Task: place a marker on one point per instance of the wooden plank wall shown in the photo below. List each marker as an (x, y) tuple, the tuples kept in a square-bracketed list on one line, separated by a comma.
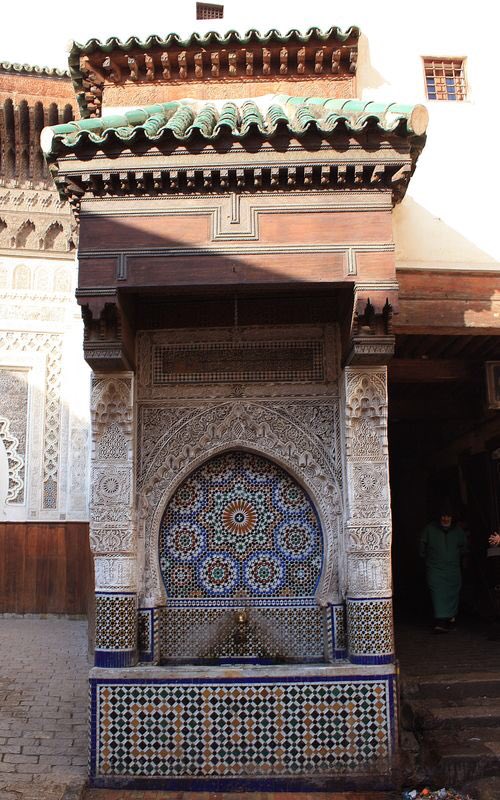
[(45, 568)]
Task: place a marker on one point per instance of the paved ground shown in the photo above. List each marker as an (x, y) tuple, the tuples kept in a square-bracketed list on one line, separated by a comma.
[(100, 794), (43, 703), (473, 647), (43, 707)]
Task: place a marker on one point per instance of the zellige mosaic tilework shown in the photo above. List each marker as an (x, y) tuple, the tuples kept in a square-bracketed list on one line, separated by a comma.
[(247, 727), (240, 532)]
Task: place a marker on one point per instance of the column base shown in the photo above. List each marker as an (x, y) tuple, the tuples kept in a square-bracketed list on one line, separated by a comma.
[(370, 633), (115, 659)]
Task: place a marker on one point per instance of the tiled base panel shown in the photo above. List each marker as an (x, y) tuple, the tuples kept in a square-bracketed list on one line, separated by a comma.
[(262, 727)]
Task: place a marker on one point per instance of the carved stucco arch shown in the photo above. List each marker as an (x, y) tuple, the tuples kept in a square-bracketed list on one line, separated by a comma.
[(252, 427)]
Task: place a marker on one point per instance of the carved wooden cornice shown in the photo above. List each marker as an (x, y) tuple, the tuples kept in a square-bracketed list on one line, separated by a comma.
[(233, 57), (312, 177)]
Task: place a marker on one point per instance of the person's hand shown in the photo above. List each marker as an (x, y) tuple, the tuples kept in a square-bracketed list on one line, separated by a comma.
[(494, 539)]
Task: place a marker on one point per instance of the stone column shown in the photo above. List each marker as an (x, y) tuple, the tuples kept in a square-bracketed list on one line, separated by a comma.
[(112, 525), (370, 636)]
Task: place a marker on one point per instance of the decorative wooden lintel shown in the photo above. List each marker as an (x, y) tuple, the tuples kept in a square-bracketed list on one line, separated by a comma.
[(207, 179), (199, 63), (107, 342), (371, 339)]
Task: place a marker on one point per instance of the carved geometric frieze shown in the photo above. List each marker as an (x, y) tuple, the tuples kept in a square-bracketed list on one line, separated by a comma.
[(111, 539), (283, 433), (260, 361), (230, 362), (35, 219), (368, 538), (368, 488), (369, 575), (115, 572)]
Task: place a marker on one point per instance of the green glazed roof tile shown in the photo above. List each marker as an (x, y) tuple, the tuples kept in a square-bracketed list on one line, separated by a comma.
[(184, 119), (211, 38), (33, 69)]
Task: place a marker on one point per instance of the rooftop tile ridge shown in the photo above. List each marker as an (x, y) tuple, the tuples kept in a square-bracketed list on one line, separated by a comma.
[(210, 38), (33, 69)]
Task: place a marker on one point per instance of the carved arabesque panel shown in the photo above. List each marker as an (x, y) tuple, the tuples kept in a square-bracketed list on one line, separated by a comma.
[(111, 404), (50, 346), (112, 530), (366, 415), (278, 431)]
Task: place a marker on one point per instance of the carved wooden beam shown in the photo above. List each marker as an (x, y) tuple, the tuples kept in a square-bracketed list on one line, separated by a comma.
[(165, 63), (215, 61), (249, 62), (150, 67), (266, 61), (198, 65), (182, 64), (134, 69), (283, 61), (113, 68)]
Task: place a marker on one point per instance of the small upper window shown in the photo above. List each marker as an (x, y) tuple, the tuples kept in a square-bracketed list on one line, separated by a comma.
[(444, 78), (209, 11)]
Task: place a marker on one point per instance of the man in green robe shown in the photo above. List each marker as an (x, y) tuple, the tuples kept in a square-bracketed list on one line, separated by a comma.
[(443, 544)]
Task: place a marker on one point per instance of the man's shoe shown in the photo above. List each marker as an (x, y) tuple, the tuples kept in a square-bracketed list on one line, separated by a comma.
[(440, 629)]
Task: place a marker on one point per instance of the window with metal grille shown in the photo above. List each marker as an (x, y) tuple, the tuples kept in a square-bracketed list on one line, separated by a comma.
[(209, 11), (445, 78)]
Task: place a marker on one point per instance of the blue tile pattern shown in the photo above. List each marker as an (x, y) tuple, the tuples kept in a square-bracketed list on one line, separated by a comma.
[(240, 526)]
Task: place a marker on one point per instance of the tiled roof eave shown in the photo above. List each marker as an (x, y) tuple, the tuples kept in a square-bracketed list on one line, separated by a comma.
[(210, 38), (33, 70), (182, 121), (94, 63)]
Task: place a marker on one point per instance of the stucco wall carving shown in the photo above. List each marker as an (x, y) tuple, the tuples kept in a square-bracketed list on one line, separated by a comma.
[(115, 573), (112, 530), (13, 428), (50, 345), (15, 462), (366, 415), (111, 409), (282, 432), (368, 514), (41, 335), (35, 220)]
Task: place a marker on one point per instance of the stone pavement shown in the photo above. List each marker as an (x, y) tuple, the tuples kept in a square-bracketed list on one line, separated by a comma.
[(43, 704), (112, 794), (43, 707)]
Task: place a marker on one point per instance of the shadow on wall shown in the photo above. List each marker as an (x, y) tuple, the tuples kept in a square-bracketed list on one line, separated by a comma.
[(367, 77), (422, 237)]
